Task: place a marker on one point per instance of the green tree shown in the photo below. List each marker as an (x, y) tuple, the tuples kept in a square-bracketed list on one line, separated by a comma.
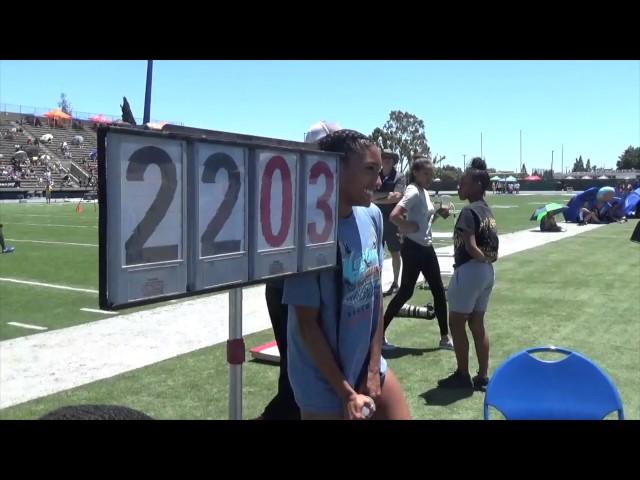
[(587, 167), (629, 159), (448, 172), (404, 134), (64, 104), (523, 170)]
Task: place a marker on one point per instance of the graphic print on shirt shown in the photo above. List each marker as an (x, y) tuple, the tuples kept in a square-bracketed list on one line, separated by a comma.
[(361, 278)]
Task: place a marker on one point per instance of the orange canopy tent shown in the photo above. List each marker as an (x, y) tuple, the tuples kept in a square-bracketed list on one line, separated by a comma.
[(57, 115)]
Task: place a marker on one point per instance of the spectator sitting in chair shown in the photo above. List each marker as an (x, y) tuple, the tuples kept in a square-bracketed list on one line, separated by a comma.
[(548, 224)]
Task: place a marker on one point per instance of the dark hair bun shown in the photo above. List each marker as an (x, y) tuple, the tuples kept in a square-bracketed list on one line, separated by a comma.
[(478, 164)]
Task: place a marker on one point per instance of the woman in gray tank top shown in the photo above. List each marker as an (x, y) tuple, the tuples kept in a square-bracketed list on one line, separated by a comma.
[(417, 250)]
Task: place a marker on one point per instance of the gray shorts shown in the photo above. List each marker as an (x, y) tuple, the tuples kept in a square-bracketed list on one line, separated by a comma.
[(470, 287), (390, 236)]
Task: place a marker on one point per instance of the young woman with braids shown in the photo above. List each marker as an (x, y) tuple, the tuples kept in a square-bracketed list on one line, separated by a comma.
[(336, 367), (475, 241)]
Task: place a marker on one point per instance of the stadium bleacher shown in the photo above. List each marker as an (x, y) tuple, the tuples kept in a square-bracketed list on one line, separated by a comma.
[(21, 128)]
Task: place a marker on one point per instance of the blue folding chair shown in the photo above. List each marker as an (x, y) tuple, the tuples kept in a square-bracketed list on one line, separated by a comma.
[(573, 388)]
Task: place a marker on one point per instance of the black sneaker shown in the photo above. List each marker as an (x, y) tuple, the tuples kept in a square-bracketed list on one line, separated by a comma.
[(456, 380), (392, 290), (480, 383)]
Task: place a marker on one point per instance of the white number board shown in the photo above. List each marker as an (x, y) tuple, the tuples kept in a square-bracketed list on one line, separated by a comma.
[(220, 253), (276, 212), (320, 191), (147, 211), (190, 213)]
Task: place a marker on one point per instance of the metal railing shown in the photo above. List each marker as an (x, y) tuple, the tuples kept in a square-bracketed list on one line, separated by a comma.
[(86, 116)]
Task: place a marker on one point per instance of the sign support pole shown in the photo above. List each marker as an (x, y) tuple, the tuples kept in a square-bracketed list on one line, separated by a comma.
[(235, 354)]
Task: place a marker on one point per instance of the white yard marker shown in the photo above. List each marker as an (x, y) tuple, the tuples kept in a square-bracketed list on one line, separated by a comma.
[(26, 325), (49, 285), (96, 310), (36, 215), (52, 225), (54, 243)]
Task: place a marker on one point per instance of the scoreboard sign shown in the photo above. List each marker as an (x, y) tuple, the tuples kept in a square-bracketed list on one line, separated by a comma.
[(219, 195), (187, 211)]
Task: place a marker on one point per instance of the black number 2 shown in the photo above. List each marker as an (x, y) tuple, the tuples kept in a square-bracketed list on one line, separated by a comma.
[(212, 165), (136, 252)]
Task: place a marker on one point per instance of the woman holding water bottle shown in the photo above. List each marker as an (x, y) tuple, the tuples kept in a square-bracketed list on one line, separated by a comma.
[(336, 367), (418, 254)]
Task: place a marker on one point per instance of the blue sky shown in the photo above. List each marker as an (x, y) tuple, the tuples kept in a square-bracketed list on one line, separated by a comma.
[(592, 107)]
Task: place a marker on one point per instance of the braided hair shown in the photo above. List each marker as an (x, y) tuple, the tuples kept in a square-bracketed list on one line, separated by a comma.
[(345, 141), (95, 412)]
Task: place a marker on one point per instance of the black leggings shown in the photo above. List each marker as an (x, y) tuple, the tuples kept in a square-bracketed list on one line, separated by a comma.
[(417, 258)]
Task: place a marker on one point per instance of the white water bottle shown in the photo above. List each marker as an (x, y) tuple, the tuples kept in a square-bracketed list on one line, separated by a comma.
[(369, 409)]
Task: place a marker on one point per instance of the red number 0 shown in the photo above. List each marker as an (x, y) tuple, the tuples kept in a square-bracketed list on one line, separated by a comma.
[(321, 168), (276, 163)]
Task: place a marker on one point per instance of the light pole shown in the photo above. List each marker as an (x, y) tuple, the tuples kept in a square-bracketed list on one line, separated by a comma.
[(464, 161), (520, 169), (147, 93)]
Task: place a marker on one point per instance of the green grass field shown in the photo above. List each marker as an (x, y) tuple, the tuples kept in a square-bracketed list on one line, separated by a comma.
[(77, 265), (560, 294)]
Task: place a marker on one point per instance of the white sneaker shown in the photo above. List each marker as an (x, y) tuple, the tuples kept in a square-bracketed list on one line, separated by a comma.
[(446, 343)]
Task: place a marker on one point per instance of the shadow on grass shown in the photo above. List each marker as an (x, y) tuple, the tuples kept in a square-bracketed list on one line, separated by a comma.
[(445, 396), (404, 351), (264, 362)]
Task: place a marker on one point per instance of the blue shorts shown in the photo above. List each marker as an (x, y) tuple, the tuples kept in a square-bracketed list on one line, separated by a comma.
[(470, 287)]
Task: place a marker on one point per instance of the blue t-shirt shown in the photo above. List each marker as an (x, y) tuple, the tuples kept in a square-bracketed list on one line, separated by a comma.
[(361, 250)]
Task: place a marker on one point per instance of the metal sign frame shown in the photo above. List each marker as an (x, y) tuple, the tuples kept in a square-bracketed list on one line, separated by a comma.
[(190, 138)]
